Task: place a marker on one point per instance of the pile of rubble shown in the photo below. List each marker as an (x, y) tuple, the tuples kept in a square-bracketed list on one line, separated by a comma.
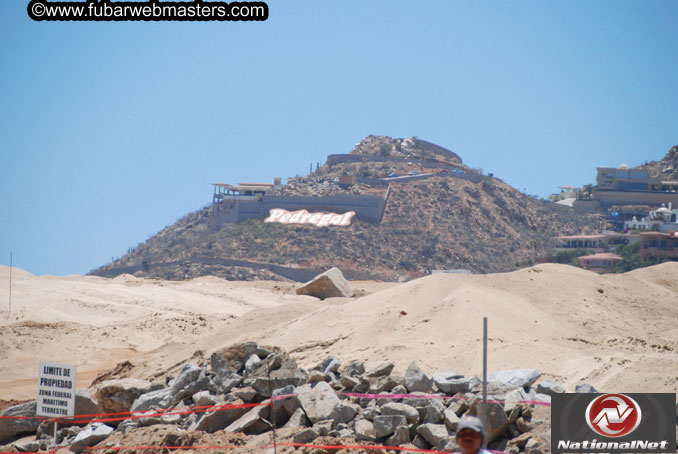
[(251, 389)]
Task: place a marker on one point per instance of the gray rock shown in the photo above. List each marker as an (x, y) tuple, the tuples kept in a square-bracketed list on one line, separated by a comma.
[(91, 435), (399, 437), (514, 398), (364, 430), (550, 387), (158, 399), (320, 402), (458, 404), (329, 284), (517, 377), (410, 413), (416, 380), (305, 436), (497, 421), (226, 380), (283, 409), (434, 434), (452, 383), (382, 384), (252, 363), (585, 388), (330, 364), (247, 394), (298, 419), (348, 382), (278, 379), (253, 422), (542, 398), (204, 399), (315, 376), (370, 412), (354, 369), (498, 388), (218, 419), (84, 404), (433, 413), (451, 419), (381, 370), (27, 445), (324, 427), (10, 428), (385, 425), (117, 396)]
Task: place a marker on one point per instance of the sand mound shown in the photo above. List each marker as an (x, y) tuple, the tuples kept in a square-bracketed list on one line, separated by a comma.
[(617, 332)]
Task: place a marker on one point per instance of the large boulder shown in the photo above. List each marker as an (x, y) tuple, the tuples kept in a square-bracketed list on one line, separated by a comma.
[(219, 418), (416, 380), (329, 284), (91, 435), (517, 377), (117, 396), (320, 402), (24, 422)]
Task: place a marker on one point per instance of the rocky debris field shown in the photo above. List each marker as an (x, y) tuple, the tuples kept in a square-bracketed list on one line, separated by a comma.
[(247, 392)]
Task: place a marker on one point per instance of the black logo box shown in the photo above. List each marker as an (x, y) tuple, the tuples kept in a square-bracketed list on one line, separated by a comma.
[(657, 425)]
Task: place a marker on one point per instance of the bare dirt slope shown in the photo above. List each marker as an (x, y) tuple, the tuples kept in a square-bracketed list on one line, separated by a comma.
[(617, 332)]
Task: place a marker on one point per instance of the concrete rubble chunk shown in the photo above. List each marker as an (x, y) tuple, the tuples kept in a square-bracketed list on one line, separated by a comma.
[(381, 370), (354, 369), (434, 434), (298, 419), (91, 435), (364, 430), (253, 422), (10, 428), (452, 383), (276, 379), (416, 380), (400, 437), (320, 402), (204, 399), (329, 284), (585, 388), (451, 419), (252, 363), (517, 377), (305, 435), (393, 408), (385, 425), (384, 383), (550, 387), (217, 419), (348, 382), (497, 421), (117, 396), (515, 398)]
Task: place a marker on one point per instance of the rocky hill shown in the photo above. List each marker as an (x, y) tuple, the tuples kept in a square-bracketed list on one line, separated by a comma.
[(666, 168), (450, 218)]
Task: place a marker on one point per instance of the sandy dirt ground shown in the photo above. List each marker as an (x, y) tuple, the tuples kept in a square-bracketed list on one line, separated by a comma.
[(617, 332)]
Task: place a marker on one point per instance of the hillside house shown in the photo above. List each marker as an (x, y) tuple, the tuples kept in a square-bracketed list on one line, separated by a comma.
[(601, 261), (599, 242), (658, 245), (660, 220)]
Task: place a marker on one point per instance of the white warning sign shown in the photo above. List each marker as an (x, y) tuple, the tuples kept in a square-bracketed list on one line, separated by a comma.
[(56, 390)]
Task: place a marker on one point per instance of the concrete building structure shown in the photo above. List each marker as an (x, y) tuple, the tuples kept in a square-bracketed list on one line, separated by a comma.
[(664, 219)]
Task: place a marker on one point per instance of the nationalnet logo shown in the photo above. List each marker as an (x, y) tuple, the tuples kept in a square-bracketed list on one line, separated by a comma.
[(613, 423), (613, 415)]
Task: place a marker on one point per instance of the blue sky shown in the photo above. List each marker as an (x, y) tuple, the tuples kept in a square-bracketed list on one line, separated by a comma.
[(110, 131)]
